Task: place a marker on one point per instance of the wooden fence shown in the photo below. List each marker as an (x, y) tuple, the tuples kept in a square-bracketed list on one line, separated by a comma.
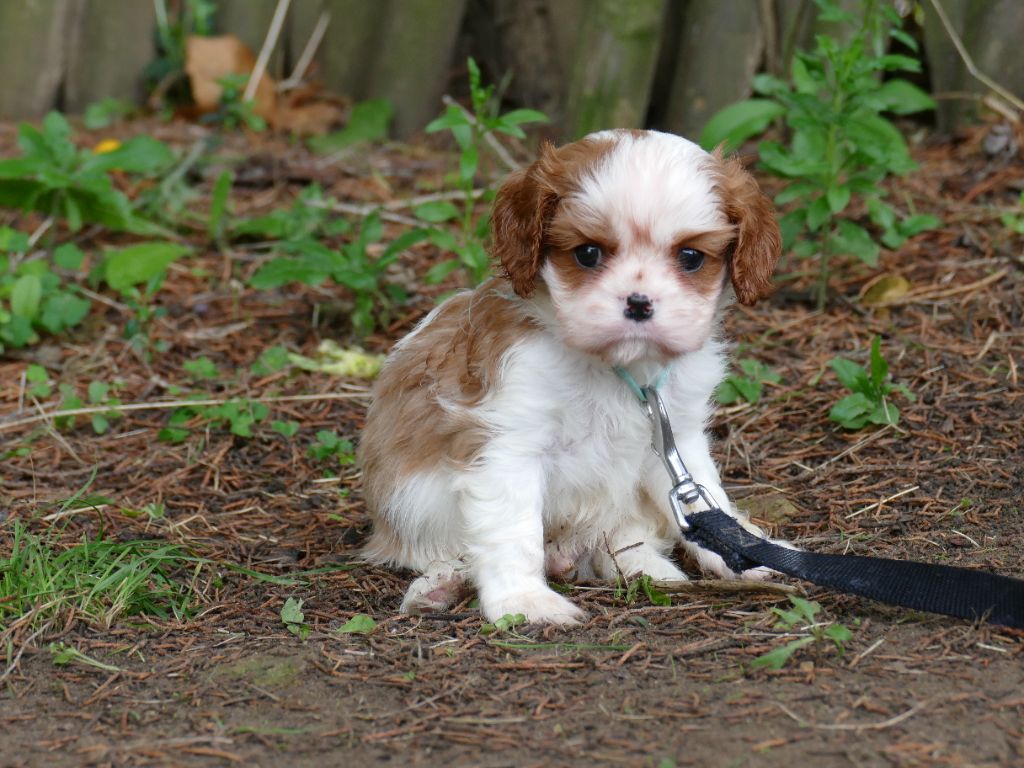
[(588, 63)]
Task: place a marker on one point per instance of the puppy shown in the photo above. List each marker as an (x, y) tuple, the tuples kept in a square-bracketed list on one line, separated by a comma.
[(502, 444)]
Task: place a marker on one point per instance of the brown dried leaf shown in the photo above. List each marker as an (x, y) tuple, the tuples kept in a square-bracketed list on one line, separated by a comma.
[(208, 59)]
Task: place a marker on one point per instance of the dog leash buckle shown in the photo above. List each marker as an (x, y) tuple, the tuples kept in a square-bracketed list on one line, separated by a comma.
[(685, 491)]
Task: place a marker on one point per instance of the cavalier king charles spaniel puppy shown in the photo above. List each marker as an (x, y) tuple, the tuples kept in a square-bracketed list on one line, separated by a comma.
[(502, 445)]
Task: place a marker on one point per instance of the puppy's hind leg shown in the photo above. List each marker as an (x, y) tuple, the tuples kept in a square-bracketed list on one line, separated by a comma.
[(441, 586)]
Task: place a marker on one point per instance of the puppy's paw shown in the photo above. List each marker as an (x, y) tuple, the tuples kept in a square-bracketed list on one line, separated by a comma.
[(540, 605), (433, 593)]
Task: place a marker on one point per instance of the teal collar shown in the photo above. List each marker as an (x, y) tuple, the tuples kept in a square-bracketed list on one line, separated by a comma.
[(637, 390)]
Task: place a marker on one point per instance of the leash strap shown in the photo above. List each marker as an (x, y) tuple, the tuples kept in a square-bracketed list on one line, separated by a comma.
[(960, 592)]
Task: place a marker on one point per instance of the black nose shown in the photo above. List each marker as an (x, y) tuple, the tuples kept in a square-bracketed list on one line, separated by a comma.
[(639, 307)]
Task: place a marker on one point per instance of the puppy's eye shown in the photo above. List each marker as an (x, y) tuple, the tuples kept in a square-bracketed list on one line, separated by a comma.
[(690, 259), (588, 256)]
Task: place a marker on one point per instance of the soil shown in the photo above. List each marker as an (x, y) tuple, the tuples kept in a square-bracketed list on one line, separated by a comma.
[(639, 684)]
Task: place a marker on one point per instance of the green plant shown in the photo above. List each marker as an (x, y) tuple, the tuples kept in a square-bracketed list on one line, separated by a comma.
[(105, 112), (633, 588), (749, 386), (330, 446), (165, 75), (98, 393), (871, 388), (470, 132), (96, 579), (1014, 221), (359, 624), (506, 623), (237, 414), (368, 121), (840, 146), (56, 178), (34, 294), (137, 272), (359, 265), (233, 110), (804, 616), (293, 618)]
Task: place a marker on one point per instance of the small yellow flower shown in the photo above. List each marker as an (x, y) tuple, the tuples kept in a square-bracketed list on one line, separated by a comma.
[(107, 145)]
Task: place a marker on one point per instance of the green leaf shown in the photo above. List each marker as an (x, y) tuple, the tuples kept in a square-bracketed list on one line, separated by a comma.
[(219, 204), (452, 117), (901, 97), (884, 413), (522, 116), (852, 376), (25, 296), (278, 272), (879, 367), (173, 435), (368, 121), (285, 428), (291, 613), (140, 154), (439, 272), (838, 198), (776, 659), (98, 392), (201, 368), (818, 213), (139, 263), (853, 239), (436, 211), (360, 624), (838, 634), (68, 256), (726, 393), (852, 411), (738, 122)]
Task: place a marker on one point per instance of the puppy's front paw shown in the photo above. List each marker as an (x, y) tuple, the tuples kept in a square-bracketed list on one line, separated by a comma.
[(713, 564), (540, 605)]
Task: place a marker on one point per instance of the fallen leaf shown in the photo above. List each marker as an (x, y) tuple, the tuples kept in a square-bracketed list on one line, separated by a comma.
[(209, 59), (885, 289)]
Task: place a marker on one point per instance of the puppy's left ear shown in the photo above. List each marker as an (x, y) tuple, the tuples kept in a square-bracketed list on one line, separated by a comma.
[(758, 242), (522, 208)]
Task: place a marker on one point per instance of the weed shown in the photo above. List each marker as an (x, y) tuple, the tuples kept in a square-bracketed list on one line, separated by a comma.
[(137, 272), (202, 368), (360, 265), (97, 579), (330, 446), (748, 386), (871, 388), (470, 132), (359, 624), (271, 360), (34, 295), (1014, 221), (293, 618), (63, 655), (643, 584), (165, 75), (803, 615), (367, 122), (232, 110), (58, 179), (103, 113), (239, 415), (840, 146), (506, 623)]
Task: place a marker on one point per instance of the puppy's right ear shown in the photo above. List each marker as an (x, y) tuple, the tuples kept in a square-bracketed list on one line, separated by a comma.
[(522, 209)]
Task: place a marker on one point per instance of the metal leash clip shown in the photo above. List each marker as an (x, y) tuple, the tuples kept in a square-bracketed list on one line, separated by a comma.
[(685, 492)]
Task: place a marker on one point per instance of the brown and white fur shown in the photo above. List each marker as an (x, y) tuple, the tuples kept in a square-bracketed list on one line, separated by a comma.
[(501, 446)]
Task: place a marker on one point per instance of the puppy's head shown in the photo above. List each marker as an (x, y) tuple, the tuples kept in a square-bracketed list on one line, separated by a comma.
[(635, 234)]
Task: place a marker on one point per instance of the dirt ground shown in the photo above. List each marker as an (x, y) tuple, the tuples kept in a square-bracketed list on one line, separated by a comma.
[(637, 685)]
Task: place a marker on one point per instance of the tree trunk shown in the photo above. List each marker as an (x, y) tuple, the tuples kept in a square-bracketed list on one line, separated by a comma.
[(709, 77), (615, 59), (413, 57), (111, 43), (32, 55)]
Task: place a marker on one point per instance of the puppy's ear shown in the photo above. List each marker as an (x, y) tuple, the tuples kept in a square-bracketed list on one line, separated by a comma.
[(522, 209), (758, 241)]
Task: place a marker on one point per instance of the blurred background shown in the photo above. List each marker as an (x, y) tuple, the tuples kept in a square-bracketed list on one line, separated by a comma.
[(587, 64)]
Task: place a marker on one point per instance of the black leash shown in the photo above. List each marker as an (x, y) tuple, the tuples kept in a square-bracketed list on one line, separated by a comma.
[(960, 592)]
